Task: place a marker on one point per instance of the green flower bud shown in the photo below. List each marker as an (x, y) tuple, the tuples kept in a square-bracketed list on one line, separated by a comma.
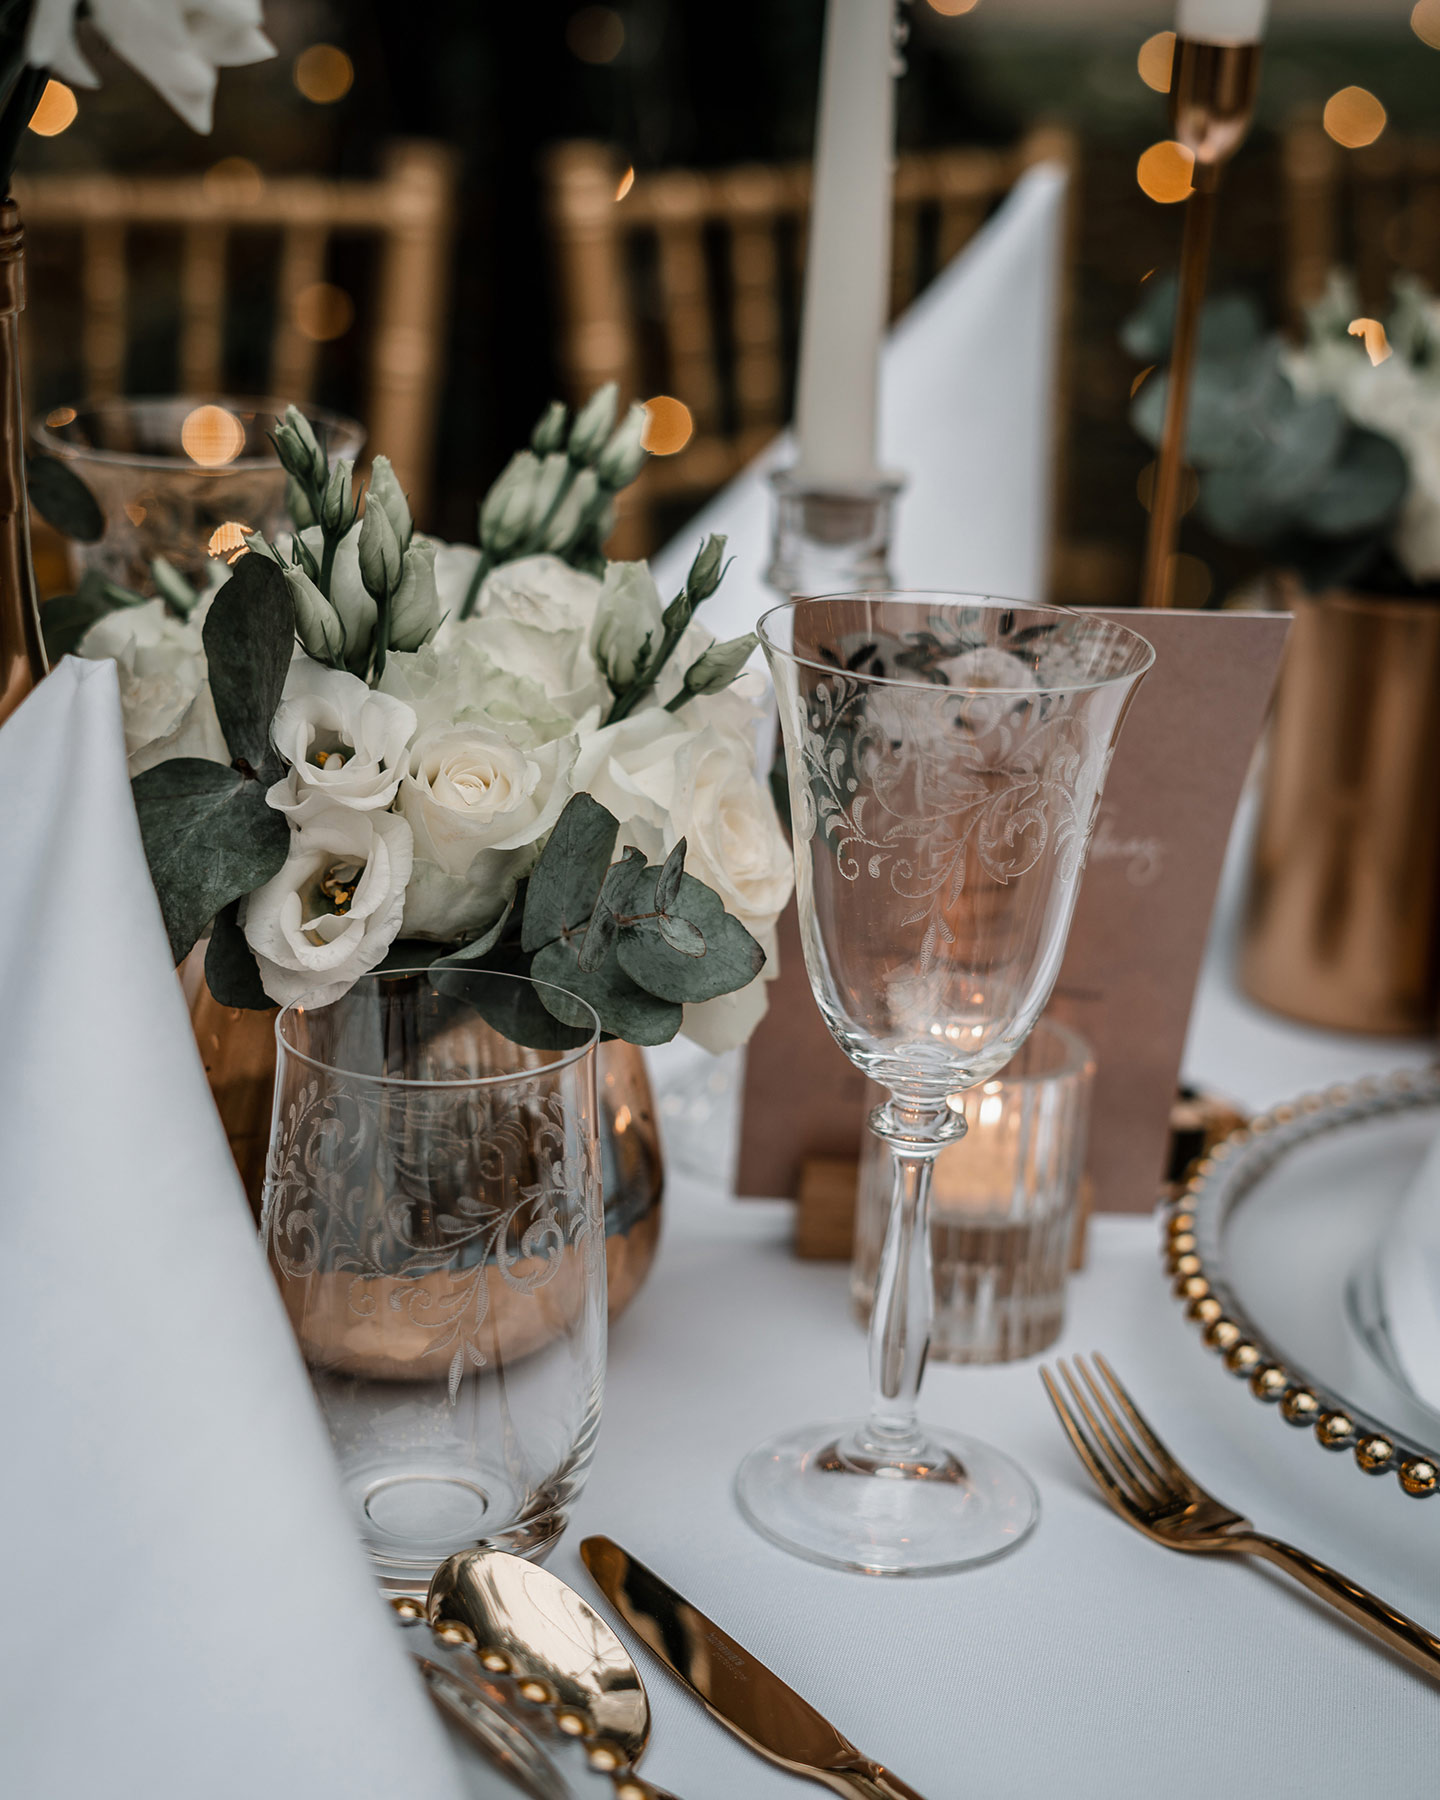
[(627, 623), (713, 672), (174, 589), (380, 553), (317, 624), (415, 610), (297, 448), (337, 505), (505, 511), (385, 492), (572, 514), (550, 484), (303, 557), (624, 456), (549, 434), (593, 424), (297, 504)]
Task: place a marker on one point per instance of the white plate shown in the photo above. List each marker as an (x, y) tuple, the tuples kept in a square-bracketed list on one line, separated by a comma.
[(1271, 1248)]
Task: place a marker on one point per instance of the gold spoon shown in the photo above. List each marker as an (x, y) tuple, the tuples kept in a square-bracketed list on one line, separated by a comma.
[(524, 1622)]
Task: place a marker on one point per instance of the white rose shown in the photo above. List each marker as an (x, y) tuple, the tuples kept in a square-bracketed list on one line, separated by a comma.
[(540, 591), (726, 1022), (346, 744), (638, 768), (164, 692), (735, 844), (627, 622), (455, 566), (177, 45), (478, 806), (457, 684), (334, 909)]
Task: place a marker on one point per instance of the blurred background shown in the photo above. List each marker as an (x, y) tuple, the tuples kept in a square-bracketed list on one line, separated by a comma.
[(522, 176)]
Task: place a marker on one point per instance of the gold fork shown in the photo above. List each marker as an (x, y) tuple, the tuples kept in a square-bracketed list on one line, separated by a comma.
[(1149, 1489)]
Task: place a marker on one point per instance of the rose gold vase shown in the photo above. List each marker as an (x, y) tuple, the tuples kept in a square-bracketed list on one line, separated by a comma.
[(1343, 923), (238, 1050)]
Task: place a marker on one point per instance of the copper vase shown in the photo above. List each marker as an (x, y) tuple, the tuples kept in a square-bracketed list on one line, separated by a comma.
[(22, 649), (1343, 922), (238, 1050)]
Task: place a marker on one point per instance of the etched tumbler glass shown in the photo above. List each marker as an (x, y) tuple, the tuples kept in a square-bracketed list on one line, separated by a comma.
[(433, 1217), (946, 755)]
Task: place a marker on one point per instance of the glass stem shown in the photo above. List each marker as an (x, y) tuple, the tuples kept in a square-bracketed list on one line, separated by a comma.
[(904, 1288)]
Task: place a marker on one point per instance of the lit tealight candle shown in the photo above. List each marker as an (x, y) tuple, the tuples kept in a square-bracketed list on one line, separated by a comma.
[(1221, 21)]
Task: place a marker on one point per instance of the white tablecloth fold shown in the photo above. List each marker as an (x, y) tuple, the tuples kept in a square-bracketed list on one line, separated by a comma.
[(187, 1609)]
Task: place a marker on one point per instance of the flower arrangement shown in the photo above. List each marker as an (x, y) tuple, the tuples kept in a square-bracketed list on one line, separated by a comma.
[(1325, 454), (363, 748)]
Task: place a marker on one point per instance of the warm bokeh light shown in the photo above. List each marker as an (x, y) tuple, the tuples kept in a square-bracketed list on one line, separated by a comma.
[(233, 181), (57, 109), (136, 513), (323, 312), (1377, 345), (1156, 55), (229, 541), (1164, 172), (62, 415), (212, 437), (668, 425), (1189, 488), (596, 34), (1354, 117), (324, 74), (1425, 22), (1139, 380), (627, 181), (952, 9)]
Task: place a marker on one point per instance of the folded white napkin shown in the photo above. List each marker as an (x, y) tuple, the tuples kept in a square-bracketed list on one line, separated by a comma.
[(187, 1610), (966, 394), (1408, 1266)]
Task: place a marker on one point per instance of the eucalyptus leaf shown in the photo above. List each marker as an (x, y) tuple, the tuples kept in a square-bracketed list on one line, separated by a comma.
[(66, 618), (62, 499), (231, 972), (600, 935), (731, 958), (209, 837), (1362, 491), (478, 948), (249, 639), (681, 935), (626, 1010), (508, 1006), (667, 883), (569, 874)]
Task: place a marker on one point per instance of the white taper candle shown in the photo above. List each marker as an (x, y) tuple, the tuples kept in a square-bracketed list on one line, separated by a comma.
[(1222, 21), (847, 270)]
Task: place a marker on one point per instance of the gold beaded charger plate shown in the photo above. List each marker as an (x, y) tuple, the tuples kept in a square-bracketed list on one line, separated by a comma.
[(1270, 1247)]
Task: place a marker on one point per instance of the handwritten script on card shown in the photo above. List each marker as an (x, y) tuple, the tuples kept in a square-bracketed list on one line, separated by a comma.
[(1136, 943)]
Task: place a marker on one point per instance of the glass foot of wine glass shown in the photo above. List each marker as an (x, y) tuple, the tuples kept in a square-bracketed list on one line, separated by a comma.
[(829, 1493)]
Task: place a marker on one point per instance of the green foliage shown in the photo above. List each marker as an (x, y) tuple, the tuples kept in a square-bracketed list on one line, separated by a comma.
[(66, 618), (209, 834), (638, 943), (1281, 470), (230, 971), (62, 499)]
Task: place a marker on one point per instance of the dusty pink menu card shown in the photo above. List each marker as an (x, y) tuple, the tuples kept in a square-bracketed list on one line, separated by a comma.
[(1136, 944)]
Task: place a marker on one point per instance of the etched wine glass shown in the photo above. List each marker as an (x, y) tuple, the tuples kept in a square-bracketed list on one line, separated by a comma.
[(946, 755)]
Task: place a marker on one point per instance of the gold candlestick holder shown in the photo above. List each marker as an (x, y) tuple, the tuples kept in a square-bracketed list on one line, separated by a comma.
[(1212, 101)]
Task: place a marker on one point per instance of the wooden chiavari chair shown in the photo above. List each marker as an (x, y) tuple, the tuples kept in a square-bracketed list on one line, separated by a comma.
[(687, 282), (408, 212)]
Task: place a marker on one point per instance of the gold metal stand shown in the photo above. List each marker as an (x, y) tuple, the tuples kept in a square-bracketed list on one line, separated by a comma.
[(1212, 100), (22, 649)]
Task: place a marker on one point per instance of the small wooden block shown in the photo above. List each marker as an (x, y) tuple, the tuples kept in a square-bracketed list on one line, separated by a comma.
[(825, 1215)]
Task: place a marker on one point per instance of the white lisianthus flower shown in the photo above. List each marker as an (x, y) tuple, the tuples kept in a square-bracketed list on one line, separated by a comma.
[(164, 692), (335, 907), (177, 45), (346, 744), (478, 806), (627, 622), (541, 592)]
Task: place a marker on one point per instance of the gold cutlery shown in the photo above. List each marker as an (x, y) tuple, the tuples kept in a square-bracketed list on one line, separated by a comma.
[(1150, 1490), (525, 1624), (745, 1696)]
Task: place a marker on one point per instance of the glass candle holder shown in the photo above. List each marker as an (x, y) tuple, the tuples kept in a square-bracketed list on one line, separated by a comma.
[(168, 473), (1002, 1220)]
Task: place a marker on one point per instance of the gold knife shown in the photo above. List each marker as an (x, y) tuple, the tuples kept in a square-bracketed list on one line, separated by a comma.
[(745, 1696)]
